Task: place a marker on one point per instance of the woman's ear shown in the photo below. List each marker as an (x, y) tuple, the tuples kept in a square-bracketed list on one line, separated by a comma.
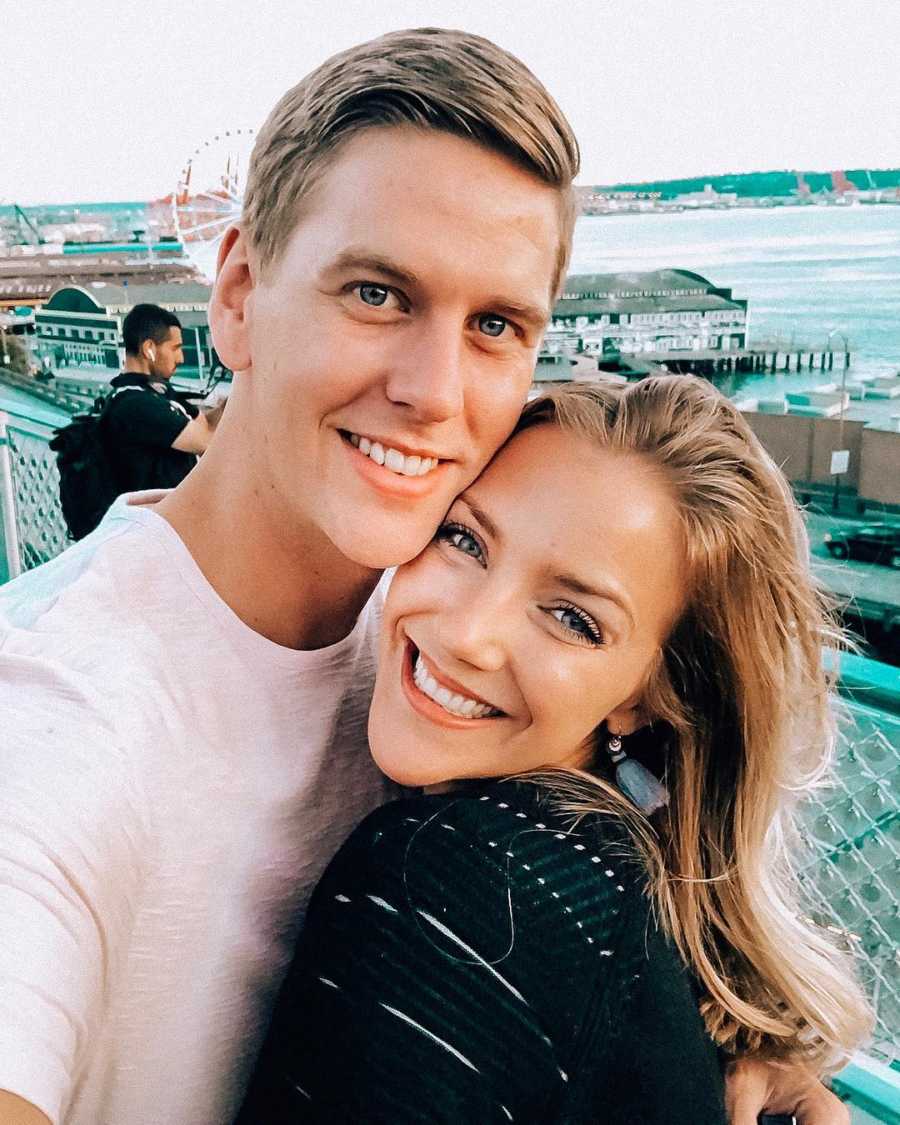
[(229, 302), (627, 717)]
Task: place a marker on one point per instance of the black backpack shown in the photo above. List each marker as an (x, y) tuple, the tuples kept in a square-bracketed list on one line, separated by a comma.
[(88, 481)]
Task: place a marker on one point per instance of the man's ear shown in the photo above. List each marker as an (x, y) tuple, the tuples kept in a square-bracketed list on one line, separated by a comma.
[(229, 303)]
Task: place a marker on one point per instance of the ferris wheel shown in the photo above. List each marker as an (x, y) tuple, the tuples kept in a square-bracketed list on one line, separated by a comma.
[(209, 196)]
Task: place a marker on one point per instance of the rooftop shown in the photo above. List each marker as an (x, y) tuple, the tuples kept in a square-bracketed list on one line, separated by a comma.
[(643, 283), (701, 302), (648, 291), (102, 296)]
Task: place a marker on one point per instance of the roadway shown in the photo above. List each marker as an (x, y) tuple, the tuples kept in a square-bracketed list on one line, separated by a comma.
[(863, 582), (868, 594)]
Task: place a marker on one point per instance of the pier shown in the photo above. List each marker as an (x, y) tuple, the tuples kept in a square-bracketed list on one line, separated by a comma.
[(762, 358)]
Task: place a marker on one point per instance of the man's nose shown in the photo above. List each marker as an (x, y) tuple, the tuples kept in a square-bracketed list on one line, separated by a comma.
[(428, 374)]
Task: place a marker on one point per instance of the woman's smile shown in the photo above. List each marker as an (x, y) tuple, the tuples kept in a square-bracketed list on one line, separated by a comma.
[(440, 699)]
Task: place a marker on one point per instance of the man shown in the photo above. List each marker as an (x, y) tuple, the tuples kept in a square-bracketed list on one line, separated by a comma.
[(185, 692), (153, 437)]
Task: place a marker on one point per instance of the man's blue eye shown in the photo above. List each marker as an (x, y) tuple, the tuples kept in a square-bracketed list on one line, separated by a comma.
[(492, 325), (373, 294)]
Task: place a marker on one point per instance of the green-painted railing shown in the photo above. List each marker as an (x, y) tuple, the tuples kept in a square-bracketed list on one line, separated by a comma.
[(871, 1089)]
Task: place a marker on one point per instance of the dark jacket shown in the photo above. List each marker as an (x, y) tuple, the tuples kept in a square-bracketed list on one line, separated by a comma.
[(467, 959), (139, 428)]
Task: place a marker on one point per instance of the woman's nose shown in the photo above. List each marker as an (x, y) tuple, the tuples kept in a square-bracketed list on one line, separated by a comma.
[(478, 631)]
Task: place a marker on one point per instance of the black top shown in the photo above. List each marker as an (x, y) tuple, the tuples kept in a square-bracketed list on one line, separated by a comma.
[(139, 427), (466, 959)]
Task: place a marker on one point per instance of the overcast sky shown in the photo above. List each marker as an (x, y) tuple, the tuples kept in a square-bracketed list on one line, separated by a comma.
[(105, 100)]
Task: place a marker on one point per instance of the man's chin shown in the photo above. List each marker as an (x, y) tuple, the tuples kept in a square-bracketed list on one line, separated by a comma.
[(386, 548)]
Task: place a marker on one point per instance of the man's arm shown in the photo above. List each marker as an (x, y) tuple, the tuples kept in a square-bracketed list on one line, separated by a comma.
[(145, 418), (753, 1087), (197, 434), (72, 850), (15, 1111)]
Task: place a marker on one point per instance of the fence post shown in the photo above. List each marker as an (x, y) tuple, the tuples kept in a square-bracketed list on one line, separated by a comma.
[(8, 503)]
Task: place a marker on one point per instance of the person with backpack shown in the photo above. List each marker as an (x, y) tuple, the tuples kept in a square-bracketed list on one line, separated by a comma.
[(154, 437), (131, 442)]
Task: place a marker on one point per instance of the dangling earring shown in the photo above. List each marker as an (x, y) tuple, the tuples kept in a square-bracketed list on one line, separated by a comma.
[(636, 781)]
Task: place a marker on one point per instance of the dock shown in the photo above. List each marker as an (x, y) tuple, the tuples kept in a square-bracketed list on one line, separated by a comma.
[(761, 358)]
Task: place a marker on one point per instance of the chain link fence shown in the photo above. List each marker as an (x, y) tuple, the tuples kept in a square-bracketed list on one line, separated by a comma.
[(853, 871), (852, 829)]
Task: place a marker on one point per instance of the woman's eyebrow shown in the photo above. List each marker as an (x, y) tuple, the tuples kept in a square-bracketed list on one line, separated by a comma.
[(480, 515), (609, 593)]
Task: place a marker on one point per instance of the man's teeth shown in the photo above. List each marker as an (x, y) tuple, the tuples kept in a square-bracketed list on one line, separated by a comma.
[(393, 459), (454, 703)]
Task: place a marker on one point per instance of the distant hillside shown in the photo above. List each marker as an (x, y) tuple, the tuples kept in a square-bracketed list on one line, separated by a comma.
[(754, 184)]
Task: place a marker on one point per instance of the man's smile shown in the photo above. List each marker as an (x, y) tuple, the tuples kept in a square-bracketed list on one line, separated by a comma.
[(404, 463)]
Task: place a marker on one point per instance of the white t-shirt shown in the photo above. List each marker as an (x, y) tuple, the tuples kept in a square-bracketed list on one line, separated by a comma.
[(172, 785)]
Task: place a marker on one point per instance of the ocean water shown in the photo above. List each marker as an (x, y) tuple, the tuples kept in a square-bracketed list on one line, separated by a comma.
[(804, 271)]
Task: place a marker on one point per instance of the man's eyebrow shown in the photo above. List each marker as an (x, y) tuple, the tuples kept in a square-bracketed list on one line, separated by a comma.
[(608, 593), (366, 263), (536, 316)]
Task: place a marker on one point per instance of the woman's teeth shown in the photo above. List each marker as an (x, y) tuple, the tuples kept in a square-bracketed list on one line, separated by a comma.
[(393, 459), (456, 704)]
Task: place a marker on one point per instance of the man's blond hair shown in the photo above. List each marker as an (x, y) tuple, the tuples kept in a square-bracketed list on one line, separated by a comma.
[(428, 78)]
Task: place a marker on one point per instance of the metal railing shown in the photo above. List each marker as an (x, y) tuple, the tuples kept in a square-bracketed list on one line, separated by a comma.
[(34, 530), (853, 829), (66, 396), (853, 871)]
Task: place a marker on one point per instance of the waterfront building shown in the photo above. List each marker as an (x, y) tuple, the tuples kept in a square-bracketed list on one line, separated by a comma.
[(560, 340), (660, 311), (81, 325), (31, 280), (708, 197)]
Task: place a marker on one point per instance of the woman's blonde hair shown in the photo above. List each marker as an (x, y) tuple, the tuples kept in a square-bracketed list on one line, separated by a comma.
[(741, 699), (429, 78)]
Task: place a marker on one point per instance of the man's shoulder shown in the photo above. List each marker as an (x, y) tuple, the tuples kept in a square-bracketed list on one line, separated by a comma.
[(117, 543), (129, 379), (134, 399), (128, 388), (94, 612)]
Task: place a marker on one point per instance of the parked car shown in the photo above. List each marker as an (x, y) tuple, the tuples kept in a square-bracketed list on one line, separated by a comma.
[(876, 542)]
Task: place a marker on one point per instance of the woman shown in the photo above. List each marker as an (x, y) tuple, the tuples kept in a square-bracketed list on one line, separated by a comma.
[(623, 596)]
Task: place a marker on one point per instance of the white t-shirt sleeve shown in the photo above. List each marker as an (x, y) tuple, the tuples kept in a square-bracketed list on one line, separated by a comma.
[(70, 838)]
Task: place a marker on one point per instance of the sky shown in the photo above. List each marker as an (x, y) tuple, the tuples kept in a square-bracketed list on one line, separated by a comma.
[(106, 101)]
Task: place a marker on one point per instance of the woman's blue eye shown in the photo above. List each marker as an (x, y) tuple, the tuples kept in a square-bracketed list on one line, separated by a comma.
[(578, 622), (461, 539), (492, 325), (373, 294)]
